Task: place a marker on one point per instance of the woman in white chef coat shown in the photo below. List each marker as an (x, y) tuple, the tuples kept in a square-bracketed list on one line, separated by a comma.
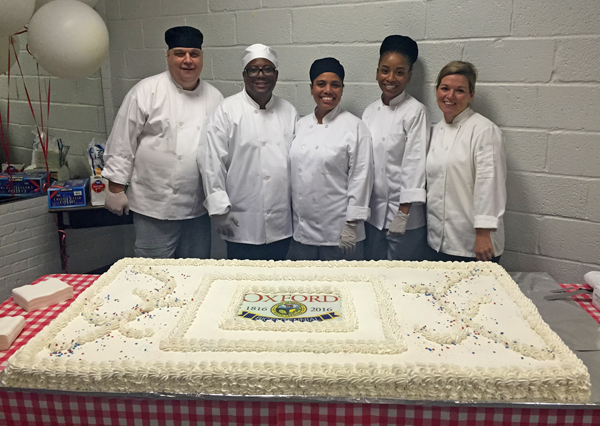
[(400, 128), (331, 173), (466, 174)]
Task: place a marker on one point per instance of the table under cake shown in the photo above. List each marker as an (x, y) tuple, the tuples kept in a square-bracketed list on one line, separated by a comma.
[(41, 407)]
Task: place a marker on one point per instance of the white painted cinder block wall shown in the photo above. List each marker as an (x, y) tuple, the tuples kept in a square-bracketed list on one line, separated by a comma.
[(539, 81), (29, 246)]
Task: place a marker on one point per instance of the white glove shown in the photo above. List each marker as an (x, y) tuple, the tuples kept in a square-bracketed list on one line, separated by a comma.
[(398, 225), (225, 224), (117, 203), (348, 238)]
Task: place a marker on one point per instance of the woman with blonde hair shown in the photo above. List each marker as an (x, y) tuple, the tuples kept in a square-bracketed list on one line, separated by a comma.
[(466, 174)]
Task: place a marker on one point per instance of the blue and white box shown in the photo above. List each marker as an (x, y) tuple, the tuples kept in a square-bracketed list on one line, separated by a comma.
[(70, 193)]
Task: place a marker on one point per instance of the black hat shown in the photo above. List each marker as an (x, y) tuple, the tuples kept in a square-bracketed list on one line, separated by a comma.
[(189, 37), (403, 45), (320, 66)]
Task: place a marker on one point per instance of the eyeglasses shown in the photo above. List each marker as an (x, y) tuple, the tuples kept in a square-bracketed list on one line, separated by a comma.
[(267, 71)]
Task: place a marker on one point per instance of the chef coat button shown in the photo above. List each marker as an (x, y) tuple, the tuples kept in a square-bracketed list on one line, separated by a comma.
[(299, 198), (179, 157), (299, 170), (303, 146), (382, 169), (264, 143), (266, 178), (197, 127), (383, 138), (174, 192), (277, 143), (317, 221), (327, 125), (311, 126), (181, 124), (269, 212), (271, 112), (301, 220), (180, 91), (317, 147), (314, 198), (378, 108)]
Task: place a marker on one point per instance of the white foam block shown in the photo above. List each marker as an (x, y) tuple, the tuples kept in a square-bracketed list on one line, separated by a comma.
[(42, 295), (592, 278), (10, 328)]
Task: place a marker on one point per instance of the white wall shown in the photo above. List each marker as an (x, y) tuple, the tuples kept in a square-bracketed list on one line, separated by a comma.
[(76, 111), (29, 245), (539, 81)]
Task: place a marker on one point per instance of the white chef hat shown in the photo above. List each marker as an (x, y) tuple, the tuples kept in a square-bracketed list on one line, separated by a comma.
[(259, 51)]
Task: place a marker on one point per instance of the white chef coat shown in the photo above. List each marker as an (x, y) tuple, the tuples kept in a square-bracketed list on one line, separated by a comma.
[(400, 134), (153, 146), (244, 164), (331, 165), (466, 184)]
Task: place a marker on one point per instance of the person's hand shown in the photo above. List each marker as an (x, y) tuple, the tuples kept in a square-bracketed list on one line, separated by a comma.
[(398, 225), (348, 238), (117, 202), (484, 249), (225, 224)]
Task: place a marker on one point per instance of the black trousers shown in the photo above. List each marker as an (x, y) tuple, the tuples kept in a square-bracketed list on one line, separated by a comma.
[(272, 251), (443, 257)]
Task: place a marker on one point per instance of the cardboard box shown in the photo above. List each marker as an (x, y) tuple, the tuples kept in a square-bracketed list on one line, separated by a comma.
[(98, 188), (70, 193), (24, 184)]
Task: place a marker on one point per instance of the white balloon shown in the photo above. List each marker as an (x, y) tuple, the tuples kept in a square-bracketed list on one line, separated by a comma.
[(14, 14), (5, 48), (68, 39), (40, 3)]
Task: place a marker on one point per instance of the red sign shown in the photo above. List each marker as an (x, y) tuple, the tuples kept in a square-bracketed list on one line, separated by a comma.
[(98, 186)]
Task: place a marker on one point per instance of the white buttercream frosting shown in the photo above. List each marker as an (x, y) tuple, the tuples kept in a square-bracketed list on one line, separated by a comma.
[(443, 331)]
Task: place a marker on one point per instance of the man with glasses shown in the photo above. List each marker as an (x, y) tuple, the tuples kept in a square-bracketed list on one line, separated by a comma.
[(152, 147), (243, 158)]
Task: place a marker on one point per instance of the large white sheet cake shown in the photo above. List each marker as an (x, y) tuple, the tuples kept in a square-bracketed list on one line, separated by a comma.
[(406, 330)]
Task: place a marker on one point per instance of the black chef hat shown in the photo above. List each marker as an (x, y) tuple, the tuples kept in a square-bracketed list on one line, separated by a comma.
[(403, 45), (189, 37), (320, 66)]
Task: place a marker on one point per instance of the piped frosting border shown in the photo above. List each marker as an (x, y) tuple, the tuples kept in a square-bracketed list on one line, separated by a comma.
[(568, 382)]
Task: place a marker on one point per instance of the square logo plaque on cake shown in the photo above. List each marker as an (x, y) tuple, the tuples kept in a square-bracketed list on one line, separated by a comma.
[(402, 330), (258, 310)]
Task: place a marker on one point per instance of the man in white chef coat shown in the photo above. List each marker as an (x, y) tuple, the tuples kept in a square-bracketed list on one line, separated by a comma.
[(152, 147), (243, 158)]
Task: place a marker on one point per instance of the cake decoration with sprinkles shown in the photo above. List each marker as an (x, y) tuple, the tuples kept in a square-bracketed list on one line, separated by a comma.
[(410, 330)]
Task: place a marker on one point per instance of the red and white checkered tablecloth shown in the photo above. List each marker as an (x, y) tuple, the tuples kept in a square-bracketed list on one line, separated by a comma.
[(36, 320), (584, 300), (29, 408)]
